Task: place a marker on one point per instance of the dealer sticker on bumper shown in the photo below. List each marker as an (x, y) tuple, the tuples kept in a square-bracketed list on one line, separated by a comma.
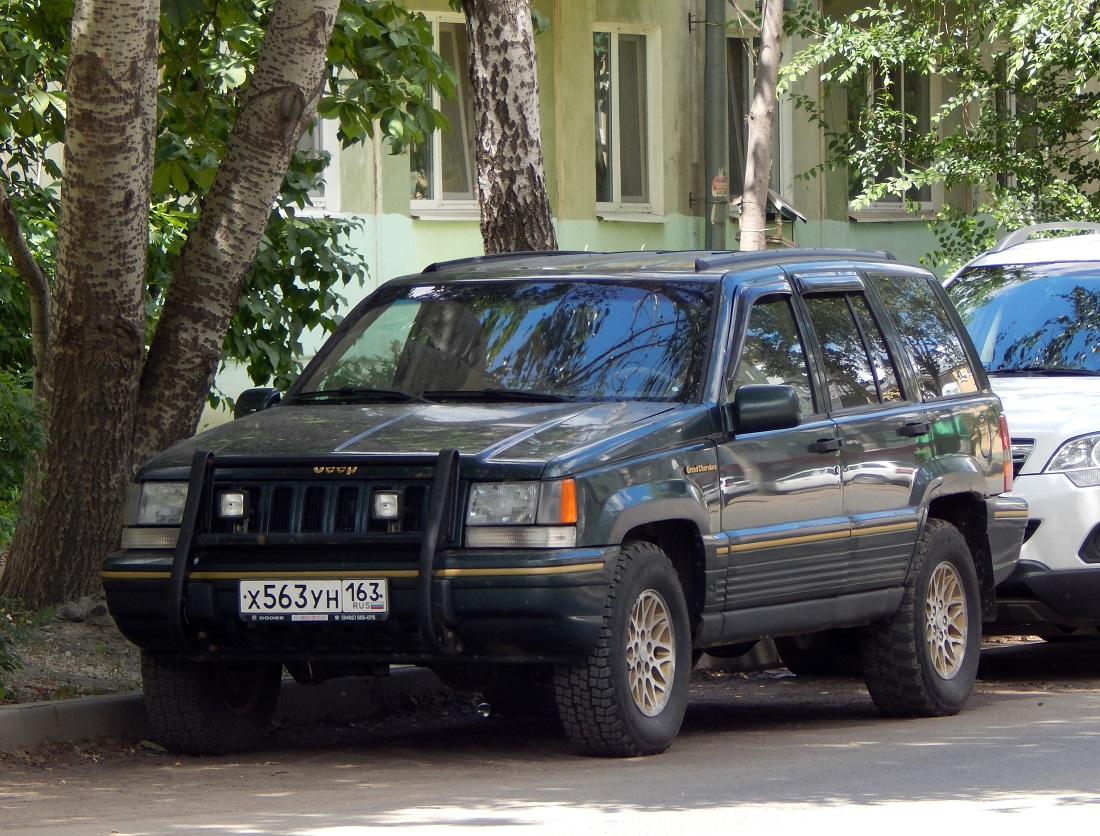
[(355, 599)]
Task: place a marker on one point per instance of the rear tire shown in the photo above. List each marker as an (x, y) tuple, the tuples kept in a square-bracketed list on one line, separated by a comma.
[(922, 661), (629, 696), (208, 708)]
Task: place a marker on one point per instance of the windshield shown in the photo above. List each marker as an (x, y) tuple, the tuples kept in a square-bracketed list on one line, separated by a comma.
[(1033, 318), (568, 340)]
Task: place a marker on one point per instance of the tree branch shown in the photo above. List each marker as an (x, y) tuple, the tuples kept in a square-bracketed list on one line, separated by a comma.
[(38, 286)]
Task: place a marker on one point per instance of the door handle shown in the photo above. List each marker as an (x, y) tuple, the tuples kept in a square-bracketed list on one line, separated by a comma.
[(914, 429), (825, 445)]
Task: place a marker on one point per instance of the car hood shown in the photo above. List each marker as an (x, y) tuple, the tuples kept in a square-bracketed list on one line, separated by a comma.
[(1048, 410), (487, 432)]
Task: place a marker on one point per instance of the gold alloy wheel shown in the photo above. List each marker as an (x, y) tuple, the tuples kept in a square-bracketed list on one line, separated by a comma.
[(650, 653), (947, 621)]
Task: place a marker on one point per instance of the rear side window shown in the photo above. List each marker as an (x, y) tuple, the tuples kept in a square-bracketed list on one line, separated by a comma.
[(858, 368), (941, 363)]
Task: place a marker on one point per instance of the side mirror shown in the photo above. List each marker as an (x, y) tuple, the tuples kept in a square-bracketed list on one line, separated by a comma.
[(255, 400), (759, 407)]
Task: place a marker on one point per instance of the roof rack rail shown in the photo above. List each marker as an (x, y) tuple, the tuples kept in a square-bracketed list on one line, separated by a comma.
[(1027, 232), (739, 257), (490, 258)]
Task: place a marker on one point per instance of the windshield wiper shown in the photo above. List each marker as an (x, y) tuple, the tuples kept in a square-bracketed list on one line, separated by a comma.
[(350, 393), (497, 395), (1042, 371)]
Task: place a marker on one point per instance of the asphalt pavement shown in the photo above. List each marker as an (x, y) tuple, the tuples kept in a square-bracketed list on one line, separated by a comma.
[(27, 725)]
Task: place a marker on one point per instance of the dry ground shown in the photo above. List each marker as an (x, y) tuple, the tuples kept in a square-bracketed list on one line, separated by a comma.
[(76, 651)]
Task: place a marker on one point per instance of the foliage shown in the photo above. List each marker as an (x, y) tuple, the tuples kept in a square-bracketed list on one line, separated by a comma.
[(20, 434), (15, 622), (381, 70), (1016, 120), (12, 623)]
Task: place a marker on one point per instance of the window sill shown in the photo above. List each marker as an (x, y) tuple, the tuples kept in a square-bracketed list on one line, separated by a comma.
[(891, 214), (630, 217), (450, 213)]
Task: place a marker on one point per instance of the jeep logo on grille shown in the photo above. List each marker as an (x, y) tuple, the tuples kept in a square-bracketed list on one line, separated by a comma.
[(343, 471)]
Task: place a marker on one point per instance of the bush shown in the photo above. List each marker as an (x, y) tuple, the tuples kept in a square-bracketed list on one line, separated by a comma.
[(11, 622), (20, 434)]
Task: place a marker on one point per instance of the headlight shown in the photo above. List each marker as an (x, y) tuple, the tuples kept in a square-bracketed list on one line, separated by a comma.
[(537, 514), (504, 503), (154, 511), (157, 503), (1079, 460)]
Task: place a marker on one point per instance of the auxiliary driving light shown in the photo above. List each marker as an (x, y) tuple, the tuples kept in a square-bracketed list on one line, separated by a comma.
[(385, 506), (233, 505)]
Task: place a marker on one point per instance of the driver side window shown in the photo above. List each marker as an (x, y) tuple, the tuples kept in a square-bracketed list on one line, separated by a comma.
[(774, 352)]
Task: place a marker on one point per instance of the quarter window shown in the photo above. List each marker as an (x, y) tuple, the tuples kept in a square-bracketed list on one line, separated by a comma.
[(623, 118), (942, 365)]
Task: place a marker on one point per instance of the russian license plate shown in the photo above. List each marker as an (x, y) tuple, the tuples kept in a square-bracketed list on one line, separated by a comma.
[(354, 599)]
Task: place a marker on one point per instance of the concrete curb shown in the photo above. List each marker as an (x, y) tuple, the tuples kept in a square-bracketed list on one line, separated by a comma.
[(27, 725)]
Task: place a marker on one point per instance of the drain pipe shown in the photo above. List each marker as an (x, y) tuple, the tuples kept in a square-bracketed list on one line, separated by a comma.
[(715, 135)]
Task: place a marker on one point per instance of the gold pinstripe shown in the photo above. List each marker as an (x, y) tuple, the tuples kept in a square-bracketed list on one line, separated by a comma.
[(887, 528), (504, 571)]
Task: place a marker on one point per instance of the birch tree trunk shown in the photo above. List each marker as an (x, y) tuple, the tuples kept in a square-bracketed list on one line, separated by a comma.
[(116, 406), (511, 182), (279, 104), (758, 159), (72, 500)]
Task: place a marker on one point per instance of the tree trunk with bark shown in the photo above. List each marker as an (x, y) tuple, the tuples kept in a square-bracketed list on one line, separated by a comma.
[(71, 500), (116, 405), (277, 107), (758, 158), (515, 209)]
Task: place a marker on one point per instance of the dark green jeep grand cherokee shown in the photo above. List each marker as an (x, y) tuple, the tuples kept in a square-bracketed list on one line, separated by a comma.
[(582, 470)]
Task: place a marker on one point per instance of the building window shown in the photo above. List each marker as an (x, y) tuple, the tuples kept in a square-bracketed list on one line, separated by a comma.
[(740, 77), (624, 73), (318, 143), (442, 167), (908, 94)]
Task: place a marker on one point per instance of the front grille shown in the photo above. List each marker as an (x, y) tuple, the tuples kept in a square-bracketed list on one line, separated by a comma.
[(1021, 449), (307, 507)]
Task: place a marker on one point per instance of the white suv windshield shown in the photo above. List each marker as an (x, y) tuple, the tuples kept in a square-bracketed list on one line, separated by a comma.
[(1033, 318)]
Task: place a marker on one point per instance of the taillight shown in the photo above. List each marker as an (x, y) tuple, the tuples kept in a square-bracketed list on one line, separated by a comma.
[(1006, 452)]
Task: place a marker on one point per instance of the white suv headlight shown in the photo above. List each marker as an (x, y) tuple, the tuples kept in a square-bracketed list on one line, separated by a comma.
[(1079, 460), (522, 515)]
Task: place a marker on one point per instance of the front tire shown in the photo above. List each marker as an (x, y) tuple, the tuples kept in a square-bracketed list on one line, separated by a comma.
[(630, 695), (207, 708), (923, 661)]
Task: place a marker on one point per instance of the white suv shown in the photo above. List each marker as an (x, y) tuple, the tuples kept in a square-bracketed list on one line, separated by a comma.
[(1032, 306)]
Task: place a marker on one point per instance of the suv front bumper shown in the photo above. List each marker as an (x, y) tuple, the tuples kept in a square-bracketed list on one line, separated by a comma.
[(497, 606), (1053, 584)]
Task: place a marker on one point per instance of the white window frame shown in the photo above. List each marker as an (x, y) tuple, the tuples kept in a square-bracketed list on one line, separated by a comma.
[(782, 174), (894, 209), (437, 207), (652, 209), (325, 200)]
